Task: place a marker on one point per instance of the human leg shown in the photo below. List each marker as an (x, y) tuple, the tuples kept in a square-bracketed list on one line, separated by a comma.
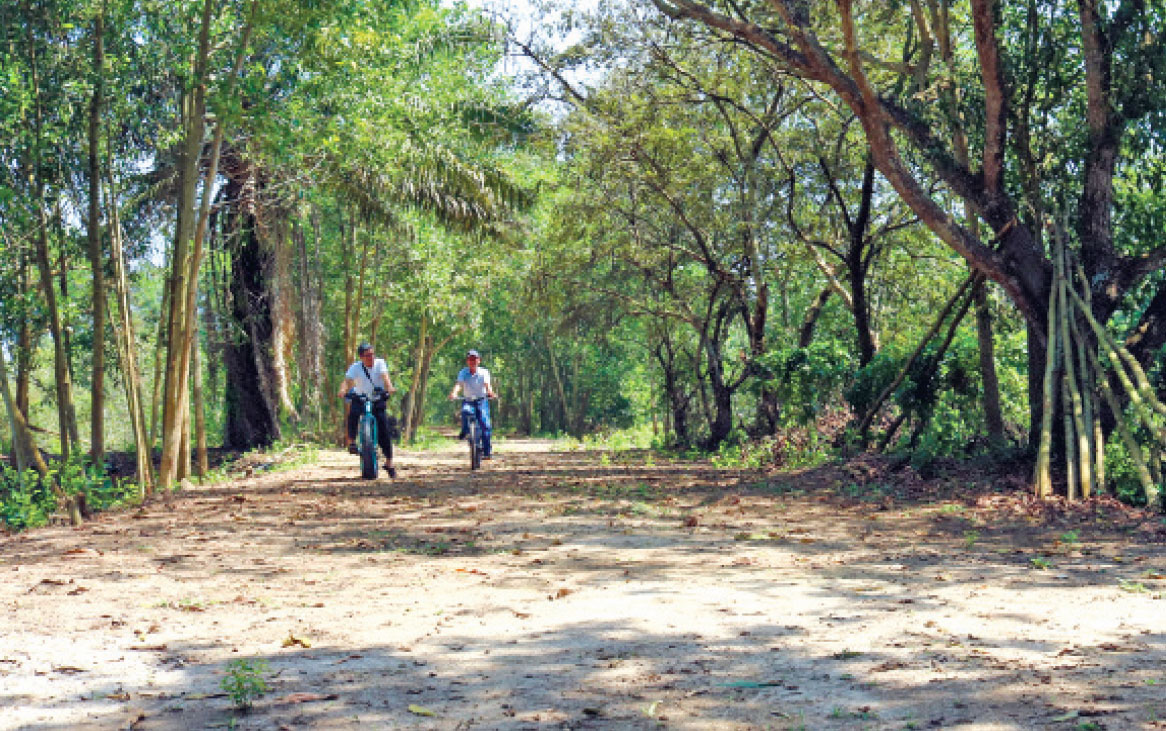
[(385, 437), (486, 427), (355, 409), (384, 432)]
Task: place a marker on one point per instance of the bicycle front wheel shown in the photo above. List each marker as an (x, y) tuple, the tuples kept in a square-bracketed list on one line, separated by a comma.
[(368, 447), (475, 447)]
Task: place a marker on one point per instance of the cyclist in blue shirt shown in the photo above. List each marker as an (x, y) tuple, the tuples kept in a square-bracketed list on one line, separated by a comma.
[(474, 382)]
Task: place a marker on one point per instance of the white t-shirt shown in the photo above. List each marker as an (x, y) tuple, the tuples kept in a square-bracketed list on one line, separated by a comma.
[(356, 372), (473, 386)]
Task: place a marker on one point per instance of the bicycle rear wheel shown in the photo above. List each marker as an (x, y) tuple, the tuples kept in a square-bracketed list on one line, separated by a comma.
[(368, 447), (475, 447)]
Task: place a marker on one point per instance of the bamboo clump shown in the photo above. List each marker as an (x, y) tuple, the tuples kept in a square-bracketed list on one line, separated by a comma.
[(1075, 369)]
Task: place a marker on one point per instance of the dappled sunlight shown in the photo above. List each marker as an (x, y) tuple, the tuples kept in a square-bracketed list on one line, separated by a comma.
[(541, 591)]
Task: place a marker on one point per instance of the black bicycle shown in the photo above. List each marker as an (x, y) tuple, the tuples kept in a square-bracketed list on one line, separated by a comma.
[(469, 410), (366, 438)]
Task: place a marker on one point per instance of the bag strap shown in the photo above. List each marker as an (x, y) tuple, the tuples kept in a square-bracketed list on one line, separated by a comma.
[(367, 375)]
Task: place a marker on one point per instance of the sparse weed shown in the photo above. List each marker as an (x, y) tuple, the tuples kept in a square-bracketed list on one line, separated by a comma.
[(244, 682), (1134, 587)]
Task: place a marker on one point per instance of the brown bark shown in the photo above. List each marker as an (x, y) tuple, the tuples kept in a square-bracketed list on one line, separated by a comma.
[(409, 427), (193, 105), (127, 340), (64, 384), (96, 258), (310, 328), (24, 447), (993, 414), (810, 321), (24, 337), (201, 464)]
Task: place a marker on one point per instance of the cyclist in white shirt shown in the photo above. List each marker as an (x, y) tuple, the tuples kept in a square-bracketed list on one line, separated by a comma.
[(474, 382), (366, 376)]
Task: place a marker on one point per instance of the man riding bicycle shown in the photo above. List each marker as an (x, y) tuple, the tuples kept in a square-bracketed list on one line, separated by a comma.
[(366, 376), (474, 382)]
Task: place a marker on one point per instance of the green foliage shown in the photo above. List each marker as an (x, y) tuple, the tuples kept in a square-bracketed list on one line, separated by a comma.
[(28, 501), (25, 501), (78, 477), (245, 681), (1121, 474), (793, 448), (806, 380)]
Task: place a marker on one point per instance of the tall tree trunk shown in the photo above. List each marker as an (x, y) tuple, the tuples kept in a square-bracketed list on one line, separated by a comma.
[(564, 405), (993, 413), (185, 316), (310, 330), (201, 465), (857, 266), (409, 427), (251, 402), (24, 337), (127, 340), (422, 387), (97, 421), (810, 320), (64, 384), (24, 447), (193, 106), (161, 336), (283, 323)]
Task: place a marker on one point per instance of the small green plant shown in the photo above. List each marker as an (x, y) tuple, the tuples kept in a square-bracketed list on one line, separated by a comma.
[(1134, 587), (244, 682), (1070, 538), (1040, 562), (970, 537)]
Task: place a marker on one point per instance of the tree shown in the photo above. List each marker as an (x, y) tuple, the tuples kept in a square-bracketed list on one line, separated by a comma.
[(846, 50)]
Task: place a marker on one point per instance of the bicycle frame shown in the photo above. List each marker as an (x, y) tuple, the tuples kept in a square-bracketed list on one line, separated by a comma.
[(367, 432), (471, 414)]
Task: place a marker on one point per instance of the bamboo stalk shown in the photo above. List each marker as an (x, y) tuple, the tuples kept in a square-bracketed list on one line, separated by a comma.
[(1081, 449), (1143, 406), (1072, 485), (1094, 395), (126, 338), (1156, 464), (1149, 487), (1089, 377), (1042, 478)]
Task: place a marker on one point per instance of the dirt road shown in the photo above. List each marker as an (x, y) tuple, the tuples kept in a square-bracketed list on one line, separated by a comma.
[(566, 589)]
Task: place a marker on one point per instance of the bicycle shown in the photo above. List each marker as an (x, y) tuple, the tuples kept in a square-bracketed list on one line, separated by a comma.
[(469, 411), (367, 431)]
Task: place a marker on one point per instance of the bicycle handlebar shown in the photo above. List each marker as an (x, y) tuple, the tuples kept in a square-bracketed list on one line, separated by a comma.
[(379, 395)]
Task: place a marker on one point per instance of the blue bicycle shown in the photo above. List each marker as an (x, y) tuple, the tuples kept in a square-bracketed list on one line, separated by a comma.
[(366, 438)]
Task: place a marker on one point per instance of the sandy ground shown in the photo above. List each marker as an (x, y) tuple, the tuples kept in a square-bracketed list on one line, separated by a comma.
[(560, 589)]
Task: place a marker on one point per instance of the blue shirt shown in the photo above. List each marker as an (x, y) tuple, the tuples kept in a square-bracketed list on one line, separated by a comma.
[(473, 386)]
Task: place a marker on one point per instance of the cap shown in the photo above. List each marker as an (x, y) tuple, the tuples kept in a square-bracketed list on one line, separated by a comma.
[(473, 354), (363, 348)]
